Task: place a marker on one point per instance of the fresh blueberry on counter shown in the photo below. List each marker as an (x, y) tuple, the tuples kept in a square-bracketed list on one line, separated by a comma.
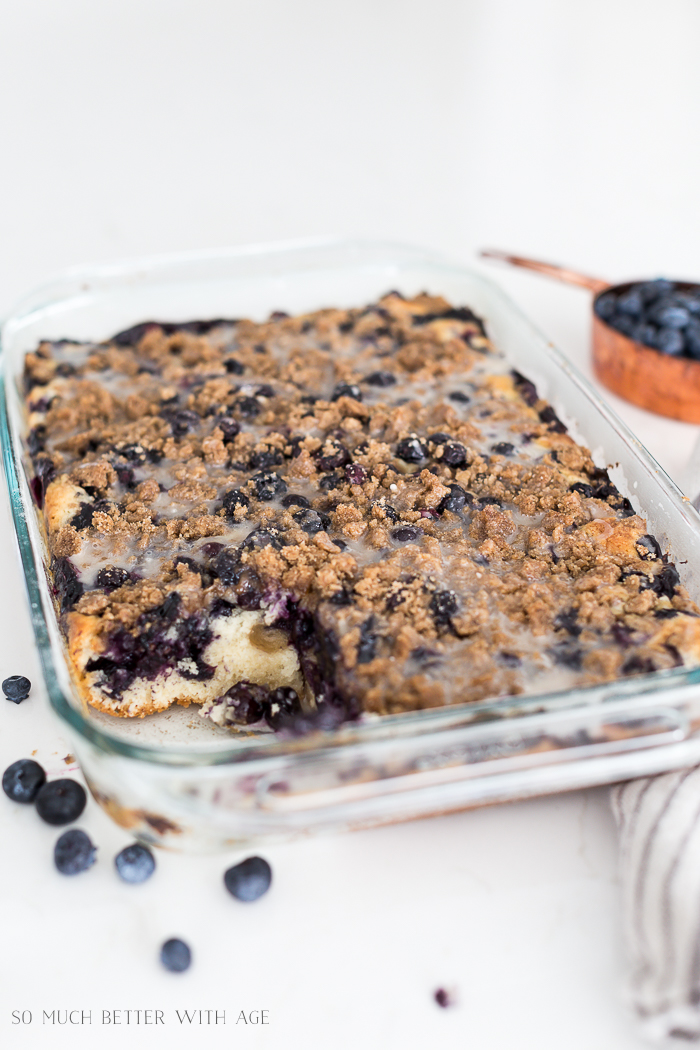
[(175, 955), (16, 688), (248, 880), (74, 852), (22, 780), (135, 863), (60, 801)]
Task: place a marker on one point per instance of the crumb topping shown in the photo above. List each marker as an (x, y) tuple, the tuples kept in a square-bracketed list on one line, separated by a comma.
[(378, 481)]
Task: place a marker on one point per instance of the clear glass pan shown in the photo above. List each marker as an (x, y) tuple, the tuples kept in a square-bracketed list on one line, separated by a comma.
[(184, 785)]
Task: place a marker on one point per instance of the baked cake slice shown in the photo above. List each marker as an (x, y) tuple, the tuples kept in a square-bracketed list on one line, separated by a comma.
[(296, 522)]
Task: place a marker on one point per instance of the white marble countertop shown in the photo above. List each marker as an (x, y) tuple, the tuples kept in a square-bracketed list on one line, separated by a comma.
[(148, 127)]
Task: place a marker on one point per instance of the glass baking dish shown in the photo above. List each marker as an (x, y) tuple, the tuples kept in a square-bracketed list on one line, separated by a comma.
[(176, 781)]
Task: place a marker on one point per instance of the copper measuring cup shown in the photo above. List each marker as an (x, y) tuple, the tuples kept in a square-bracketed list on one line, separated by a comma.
[(658, 382)]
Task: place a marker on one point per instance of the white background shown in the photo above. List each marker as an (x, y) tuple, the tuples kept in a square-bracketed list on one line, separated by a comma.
[(567, 131)]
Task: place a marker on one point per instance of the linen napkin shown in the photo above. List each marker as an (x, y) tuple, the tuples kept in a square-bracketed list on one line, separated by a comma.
[(659, 823)]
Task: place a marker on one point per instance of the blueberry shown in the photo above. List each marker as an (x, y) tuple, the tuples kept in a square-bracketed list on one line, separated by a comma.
[(509, 659), (338, 457), (631, 302), (690, 300), (60, 801), (68, 586), (228, 426), (650, 547), (567, 621), (407, 534), (292, 499), (183, 422), (233, 367), (16, 688), (263, 460), (135, 863), (665, 582), (191, 564), (455, 501), (567, 655), (268, 486), (606, 305), (526, 389), (638, 665), (389, 512), (74, 852), (624, 323), (549, 416), (454, 454), (22, 780), (411, 450), (259, 538), (692, 339), (347, 390), (247, 702), (622, 635), (284, 703), (248, 880), (383, 379), (503, 448), (329, 482), (356, 474), (439, 438), (228, 567), (175, 955), (211, 550), (111, 577), (459, 396), (265, 391), (312, 521), (443, 998), (671, 316), (646, 334), (652, 290), (249, 407), (670, 341), (443, 605), (232, 499)]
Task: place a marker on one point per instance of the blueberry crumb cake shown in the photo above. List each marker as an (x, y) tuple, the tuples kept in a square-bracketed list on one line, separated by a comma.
[(298, 522)]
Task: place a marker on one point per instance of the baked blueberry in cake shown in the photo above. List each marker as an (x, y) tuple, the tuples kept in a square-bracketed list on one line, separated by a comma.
[(305, 520)]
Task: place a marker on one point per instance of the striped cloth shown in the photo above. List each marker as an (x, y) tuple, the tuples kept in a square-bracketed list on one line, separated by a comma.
[(659, 823)]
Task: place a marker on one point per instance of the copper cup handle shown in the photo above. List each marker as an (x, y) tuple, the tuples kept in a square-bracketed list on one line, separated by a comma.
[(558, 273)]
